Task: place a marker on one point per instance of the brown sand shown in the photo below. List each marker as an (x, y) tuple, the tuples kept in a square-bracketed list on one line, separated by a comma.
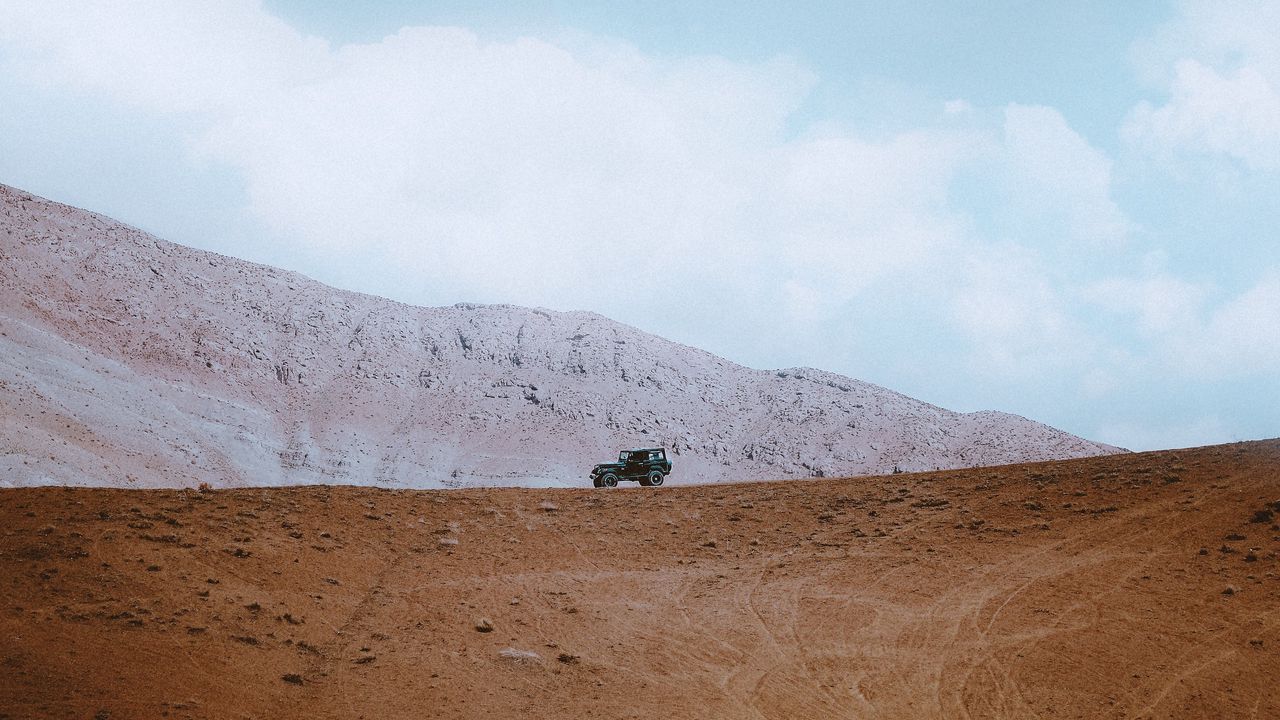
[(1086, 588)]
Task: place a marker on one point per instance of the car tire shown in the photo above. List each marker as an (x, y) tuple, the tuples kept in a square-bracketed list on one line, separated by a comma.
[(596, 482), (609, 480), (654, 479)]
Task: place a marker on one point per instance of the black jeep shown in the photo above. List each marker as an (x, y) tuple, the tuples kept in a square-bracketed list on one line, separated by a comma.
[(647, 466)]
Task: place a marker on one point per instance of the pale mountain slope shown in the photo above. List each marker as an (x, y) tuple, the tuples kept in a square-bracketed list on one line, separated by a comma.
[(128, 360)]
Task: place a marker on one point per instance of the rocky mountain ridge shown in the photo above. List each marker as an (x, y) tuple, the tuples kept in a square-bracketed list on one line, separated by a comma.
[(126, 360)]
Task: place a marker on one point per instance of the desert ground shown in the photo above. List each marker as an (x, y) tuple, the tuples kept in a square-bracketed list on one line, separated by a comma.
[(1141, 585)]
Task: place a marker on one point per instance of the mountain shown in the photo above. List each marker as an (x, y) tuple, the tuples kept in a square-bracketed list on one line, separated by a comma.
[(126, 360)]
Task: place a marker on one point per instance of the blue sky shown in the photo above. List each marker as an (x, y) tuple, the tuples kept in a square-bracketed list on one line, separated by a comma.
[(1062, 210)]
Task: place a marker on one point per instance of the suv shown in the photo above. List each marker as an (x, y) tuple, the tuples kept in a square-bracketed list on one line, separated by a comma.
[(647, 466)]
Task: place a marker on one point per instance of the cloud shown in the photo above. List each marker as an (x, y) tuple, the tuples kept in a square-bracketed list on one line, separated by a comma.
[(165, 56), (1219, 65), (1057, 176), (517, 165), (1159, 304), (536, 171), (1244, 333), (1189, 329), (1235, 114), (847, 212), (1017, 318)]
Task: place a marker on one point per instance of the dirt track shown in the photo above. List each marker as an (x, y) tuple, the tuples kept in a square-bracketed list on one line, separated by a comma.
[(1089, 588)]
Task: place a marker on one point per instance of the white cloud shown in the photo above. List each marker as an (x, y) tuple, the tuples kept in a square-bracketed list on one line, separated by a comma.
[(803, 304), (515, 165), (1015, 297), (529, 171), (1221, 33), (1244, 333), (1018, 320), (1237, 115), (1219, 65), (1056, 175), (1160, 304), (167, 56), (847, 213), (1188, 329)]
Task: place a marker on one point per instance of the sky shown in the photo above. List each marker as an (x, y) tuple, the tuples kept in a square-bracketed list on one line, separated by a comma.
[(1066, 211)]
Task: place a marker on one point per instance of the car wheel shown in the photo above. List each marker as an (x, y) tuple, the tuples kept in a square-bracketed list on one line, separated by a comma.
[(595, 482), (655, 478), (609, 480)]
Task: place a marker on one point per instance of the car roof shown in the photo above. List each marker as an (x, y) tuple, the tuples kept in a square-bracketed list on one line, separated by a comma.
[(647, 449)]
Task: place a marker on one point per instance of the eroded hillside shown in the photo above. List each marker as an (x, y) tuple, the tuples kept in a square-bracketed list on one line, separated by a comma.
[(129, 361)]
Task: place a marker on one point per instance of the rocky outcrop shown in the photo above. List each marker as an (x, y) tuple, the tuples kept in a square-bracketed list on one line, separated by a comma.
[(128, 360)]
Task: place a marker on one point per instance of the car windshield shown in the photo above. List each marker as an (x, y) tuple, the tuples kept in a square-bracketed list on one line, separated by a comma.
[(622, 456)]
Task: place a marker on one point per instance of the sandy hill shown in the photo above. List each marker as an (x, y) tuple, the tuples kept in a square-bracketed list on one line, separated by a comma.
[(126, 360), (1135, 585)]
